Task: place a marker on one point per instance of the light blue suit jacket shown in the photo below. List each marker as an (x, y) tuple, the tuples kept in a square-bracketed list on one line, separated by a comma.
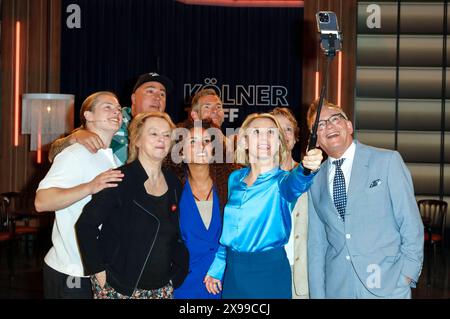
[(381, 240)]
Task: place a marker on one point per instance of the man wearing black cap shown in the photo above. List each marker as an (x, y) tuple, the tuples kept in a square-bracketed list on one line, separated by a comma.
[(149, 94)]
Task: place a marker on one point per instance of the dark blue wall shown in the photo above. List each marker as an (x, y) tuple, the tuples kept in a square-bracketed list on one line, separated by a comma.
[(255, 51)]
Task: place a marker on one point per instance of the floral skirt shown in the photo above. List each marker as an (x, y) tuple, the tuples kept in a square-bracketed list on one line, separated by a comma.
[(108, 292)]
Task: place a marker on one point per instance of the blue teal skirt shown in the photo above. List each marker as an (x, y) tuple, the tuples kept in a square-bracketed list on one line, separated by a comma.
[(258, 275)]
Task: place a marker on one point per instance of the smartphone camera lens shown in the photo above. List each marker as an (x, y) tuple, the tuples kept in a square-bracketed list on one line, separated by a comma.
[(324, 18)]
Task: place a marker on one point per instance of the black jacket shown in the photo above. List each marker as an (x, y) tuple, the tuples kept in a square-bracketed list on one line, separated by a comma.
[(123, 244)]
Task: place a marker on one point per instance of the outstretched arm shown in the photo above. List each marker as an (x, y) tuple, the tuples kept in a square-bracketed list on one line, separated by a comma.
[(59, 145), (88, 139), (295, 183)]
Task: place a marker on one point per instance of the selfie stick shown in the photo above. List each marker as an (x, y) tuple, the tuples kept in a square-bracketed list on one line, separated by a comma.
[(330, 54)]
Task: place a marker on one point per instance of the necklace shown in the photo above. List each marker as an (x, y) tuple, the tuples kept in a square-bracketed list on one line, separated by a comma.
[(209, 194)]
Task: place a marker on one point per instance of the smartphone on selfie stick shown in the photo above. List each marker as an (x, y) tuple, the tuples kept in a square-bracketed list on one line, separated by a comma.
[(330, 42)]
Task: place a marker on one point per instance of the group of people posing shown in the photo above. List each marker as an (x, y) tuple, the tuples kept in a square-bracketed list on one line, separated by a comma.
[(136, 217)]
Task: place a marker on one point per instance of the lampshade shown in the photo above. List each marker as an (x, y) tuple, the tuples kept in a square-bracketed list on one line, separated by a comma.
[(46, 117)]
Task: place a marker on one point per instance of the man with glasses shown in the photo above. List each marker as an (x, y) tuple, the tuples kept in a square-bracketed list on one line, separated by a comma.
[(365, 234)]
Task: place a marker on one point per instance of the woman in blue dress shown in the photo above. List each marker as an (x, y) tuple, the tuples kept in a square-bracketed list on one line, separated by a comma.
[(251, 261), (201, 204)]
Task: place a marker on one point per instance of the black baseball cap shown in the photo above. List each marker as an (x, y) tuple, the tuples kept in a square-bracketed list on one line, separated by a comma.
[(154, 77)]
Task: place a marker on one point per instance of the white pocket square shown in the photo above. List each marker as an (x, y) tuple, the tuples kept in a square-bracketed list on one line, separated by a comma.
[(375, 183)]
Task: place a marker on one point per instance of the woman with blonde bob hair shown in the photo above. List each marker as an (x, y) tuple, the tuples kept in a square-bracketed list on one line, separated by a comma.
[(252, 262), (296, 248), (242, 153), (136, 128), (138, 253)]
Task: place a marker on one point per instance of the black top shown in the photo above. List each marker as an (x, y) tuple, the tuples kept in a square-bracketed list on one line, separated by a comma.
[(130, 227), (156, 273)]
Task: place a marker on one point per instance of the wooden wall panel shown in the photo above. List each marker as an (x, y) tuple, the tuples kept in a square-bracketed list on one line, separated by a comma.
[(54, 28), (39, 73), (7, 86)]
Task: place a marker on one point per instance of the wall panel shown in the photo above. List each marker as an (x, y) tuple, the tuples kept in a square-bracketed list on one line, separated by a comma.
[(401, 90), (39, 72)]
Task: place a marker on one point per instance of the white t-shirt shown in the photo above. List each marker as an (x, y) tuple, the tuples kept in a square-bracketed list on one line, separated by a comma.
[(75, 165)]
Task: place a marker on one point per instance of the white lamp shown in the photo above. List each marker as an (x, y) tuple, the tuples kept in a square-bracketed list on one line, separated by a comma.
[(46, 117)]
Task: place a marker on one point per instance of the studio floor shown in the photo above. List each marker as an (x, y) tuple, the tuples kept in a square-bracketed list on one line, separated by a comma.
[(21, 277)]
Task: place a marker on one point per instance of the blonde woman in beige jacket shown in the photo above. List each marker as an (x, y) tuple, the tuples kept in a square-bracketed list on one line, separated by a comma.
[(296, 248)]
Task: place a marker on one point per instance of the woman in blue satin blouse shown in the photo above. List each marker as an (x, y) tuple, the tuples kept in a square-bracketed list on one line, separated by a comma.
[(252, 262)]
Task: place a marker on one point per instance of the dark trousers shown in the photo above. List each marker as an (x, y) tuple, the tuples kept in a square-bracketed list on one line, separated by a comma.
[(61, 286)]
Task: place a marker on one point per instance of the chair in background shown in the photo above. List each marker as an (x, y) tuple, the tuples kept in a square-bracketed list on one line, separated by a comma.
[(433, 214), (6, 236), (20, 223)]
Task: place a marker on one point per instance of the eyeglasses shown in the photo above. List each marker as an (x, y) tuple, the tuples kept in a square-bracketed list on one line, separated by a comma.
[(334, 119)]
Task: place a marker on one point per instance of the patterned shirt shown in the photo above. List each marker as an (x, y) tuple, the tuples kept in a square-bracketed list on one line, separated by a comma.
[(119, 143)]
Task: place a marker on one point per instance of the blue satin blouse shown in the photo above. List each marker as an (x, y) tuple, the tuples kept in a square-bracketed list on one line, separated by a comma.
[(257, 218)]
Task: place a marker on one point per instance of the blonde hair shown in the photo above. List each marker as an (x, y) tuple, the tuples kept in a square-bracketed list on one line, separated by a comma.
[(91, 102), (287, 113), (136, 127), (312, 110), (195, 106), (241, 151)]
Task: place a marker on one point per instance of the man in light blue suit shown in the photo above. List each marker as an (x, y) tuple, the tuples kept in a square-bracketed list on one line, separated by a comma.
[(365, 233)]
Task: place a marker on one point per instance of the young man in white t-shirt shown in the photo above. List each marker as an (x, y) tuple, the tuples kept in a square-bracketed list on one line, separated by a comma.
[(75, 175)]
